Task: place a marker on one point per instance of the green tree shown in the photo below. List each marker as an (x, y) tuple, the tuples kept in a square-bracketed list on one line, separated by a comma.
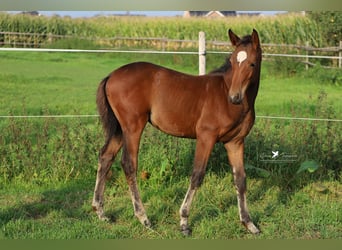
[(330, 23)]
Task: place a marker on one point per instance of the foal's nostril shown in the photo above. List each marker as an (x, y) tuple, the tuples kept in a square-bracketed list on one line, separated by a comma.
[(236, 99)]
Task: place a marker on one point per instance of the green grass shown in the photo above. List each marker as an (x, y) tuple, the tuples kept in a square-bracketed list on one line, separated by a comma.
[(63, 211), (25, 87), (296, 95), (35, 83), (48, 165)]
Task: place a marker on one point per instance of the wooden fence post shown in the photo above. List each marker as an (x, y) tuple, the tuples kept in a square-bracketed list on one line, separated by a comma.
[(340, 56), (307, 53), (201, 53)]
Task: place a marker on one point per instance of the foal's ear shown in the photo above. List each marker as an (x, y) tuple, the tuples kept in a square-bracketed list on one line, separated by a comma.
[(255, 39), (233, 38)]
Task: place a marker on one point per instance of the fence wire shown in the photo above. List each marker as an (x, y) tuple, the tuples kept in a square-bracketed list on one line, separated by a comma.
[(154, 52), (87, 116), (158, 52)]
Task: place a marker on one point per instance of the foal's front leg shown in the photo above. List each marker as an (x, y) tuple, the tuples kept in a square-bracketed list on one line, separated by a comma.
[(204, 147), (235, 151)]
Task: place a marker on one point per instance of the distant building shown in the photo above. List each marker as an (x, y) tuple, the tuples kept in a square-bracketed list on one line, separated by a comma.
[(31, 13), (209, 13), (249, 14)]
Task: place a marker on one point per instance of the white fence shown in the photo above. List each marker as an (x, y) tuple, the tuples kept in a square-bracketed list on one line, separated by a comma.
[(305, 52), (257, 116), (202, 58)]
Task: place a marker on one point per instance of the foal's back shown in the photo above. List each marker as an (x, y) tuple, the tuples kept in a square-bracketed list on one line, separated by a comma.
[(174, 102)]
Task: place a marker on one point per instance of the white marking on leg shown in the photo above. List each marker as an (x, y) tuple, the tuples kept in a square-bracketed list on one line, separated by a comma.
[(139, 210), (243, 211), (97, 203), (239, 206), (185, 208), (252, 228), (242, 206)]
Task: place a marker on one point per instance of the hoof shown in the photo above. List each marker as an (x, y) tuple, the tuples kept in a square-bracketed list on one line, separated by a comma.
[(104, 218), (251, 227), (147, 223), (186, 231), (100, 213)]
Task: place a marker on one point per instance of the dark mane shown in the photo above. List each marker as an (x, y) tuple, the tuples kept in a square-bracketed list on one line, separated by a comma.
[(245, 40), (224, 67)]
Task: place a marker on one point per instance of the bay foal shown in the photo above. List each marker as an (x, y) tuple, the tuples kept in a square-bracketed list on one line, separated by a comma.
[(217, 107)]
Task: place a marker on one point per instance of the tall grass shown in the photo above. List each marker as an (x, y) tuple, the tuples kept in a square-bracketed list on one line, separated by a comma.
[(283, 29), (48, 165), (298, 141), (60, 150), (47, 151)]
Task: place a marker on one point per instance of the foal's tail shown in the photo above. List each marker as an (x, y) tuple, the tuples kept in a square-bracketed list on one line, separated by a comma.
[(110, 123)]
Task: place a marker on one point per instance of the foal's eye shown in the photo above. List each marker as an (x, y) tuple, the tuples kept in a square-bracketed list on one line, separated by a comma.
[(252, 65)]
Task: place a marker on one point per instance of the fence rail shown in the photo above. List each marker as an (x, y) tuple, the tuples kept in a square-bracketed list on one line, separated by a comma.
[(201, 44), (12, 36), (95, 116), (115, 44)]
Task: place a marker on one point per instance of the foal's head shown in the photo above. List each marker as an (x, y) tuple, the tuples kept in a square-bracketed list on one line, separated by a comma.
[(245, 64)]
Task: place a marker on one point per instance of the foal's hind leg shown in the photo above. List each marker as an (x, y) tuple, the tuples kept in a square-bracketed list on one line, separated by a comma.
[(106, 158), (130, 165), (235, 152)]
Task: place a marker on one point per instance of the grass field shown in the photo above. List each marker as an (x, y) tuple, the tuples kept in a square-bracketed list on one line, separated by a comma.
[(48, 165), (77, 76)]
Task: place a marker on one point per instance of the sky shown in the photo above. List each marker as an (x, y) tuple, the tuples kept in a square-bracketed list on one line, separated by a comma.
[(147, 13)]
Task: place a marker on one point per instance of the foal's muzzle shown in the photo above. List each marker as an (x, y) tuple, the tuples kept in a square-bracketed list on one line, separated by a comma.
[(236, 99)]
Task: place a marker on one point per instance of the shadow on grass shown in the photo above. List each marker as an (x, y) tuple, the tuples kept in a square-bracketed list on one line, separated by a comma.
[(282, 184), (67, 200)]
